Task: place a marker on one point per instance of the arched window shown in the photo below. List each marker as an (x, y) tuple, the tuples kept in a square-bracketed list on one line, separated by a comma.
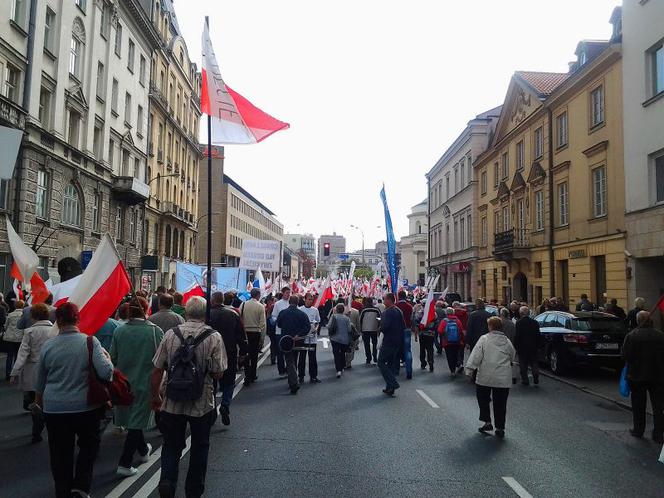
[(418, 227), (167, 245), (71, 206), (168, 190), (76, 49)]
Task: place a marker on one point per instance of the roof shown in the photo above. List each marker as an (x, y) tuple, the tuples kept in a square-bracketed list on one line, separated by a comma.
[(227, 179), (167, 5), (543, 84)]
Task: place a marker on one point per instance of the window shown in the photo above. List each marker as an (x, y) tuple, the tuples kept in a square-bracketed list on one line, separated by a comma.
[(483, 182), (4, 188), (49, 30), (599, 192), (462, 172), (71, 207), (17, 11), (127, 109), (520, 152), (100, 80), (96, 211), (42, 194), (137, 168), (657, 68), (76, 49), (447, 238), (125, 162), (114, 97), (105, 27), (659, 178), (496, 222), (74, 128), (539, 144), (456, 179), (539, 210), (469, 227), (447, 186), (12, 82), (130, 56), (96, 141), (505, 166), (141, 71), (119, 221), (139, 121), (45, 107), (561, 129), (111, 153), (462, 234), (132, 225), (563, 204), (81, 4), (496, 175), (506, 218), (538, 269), (118, 40), (597, 106), (484, 231)]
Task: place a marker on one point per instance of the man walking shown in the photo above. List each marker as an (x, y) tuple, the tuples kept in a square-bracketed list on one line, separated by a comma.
[(199, 412), (280, 306), (527, 339), (252, 313), (294, 323), (477, 325), (392, 326), (451, 337), (643, 352), (226, 320), (354, 315), (165, 318), (310, 341), (407, 354), (369, 326), (585, 304)]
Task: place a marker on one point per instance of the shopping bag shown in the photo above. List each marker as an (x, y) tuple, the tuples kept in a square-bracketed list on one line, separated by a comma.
[(624, 385)]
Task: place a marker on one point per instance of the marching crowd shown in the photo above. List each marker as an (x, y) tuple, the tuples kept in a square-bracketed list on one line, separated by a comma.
[(159, 363)]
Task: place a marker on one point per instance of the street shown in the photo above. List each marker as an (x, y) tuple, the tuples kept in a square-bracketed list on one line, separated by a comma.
[(344, 437)]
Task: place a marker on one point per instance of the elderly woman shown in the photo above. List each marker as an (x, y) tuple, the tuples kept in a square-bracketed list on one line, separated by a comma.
[(25, 366), (12, 336), (339, 330), (133, 346), (61, 391), (490, 368)]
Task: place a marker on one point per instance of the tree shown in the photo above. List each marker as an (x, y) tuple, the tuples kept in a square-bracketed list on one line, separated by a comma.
[(364, 272)]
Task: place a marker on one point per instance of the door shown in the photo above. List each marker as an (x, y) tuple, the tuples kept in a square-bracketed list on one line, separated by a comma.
[(599, 284), (563, 268), (520, 287)]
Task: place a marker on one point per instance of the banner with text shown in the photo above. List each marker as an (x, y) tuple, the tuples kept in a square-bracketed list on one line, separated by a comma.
[(260, 253)]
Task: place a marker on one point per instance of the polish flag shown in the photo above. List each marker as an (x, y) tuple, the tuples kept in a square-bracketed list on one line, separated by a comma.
[(101, 288), (235, 120), (195, 290), (24, 267), (429, 312), (63, 290), (324, 293)]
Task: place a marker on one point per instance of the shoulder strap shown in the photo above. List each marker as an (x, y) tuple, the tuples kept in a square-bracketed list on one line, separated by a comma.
[(178, 334), (201, 337), (89, 344)]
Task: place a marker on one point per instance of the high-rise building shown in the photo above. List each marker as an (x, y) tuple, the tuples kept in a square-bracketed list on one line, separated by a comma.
[(329, 249)]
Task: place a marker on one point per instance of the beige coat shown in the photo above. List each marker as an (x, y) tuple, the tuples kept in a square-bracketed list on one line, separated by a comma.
[(28, 354), (492, 357), (253, 316)]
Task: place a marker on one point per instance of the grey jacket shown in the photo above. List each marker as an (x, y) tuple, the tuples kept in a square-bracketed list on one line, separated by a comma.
[(339, 328)]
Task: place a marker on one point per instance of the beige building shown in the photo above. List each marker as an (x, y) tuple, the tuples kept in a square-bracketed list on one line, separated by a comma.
[(414, 245), (174, 155)]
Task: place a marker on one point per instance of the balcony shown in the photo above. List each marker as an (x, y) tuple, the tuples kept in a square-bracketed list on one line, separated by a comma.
[(11, 114), (130, 190), (512, 244)]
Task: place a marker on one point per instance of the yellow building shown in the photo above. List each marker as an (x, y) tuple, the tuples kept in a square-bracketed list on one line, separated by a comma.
[(551, 197)]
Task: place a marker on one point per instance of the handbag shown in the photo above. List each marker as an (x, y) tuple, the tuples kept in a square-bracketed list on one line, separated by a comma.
[(624, 385), (117, 390)]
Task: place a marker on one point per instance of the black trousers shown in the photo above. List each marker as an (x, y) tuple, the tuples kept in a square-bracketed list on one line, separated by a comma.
[(525, 360), (274, 345), (453, 354), (37, 415), (426, 350), (254, 343), (64, 431), (135, 442), (339, 352), (640, 392), (370, 340), (313, 362), (291, 368), (499, 395)]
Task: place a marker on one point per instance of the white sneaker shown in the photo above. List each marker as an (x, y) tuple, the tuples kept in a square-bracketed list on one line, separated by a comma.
[(145, 458), (338, 375), (126, 471)]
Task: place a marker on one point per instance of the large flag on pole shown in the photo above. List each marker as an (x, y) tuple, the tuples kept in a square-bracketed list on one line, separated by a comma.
[(429, 306), (391, 244), (24, 267), (235, 120)]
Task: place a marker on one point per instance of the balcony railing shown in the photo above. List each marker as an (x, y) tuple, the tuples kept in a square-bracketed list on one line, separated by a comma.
[(130, 190), (515, 238)]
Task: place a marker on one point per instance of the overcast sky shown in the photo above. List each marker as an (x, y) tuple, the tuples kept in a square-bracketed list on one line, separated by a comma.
[(374, 91)]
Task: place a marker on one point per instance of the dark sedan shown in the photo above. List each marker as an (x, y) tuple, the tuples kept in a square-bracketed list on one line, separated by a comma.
[(580, 337)]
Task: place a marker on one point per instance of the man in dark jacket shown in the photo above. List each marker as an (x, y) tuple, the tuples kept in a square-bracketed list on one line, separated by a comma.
[(643, 351), (392, 326), (585, 304), (477, 325), (295, 323), (639, 305), (225, 320), (526, 341)]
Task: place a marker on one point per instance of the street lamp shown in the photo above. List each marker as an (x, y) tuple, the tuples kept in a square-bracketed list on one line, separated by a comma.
[(362, 232), (163, 176)]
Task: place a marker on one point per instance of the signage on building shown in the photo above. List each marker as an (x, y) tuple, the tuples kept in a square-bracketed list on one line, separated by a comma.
[(149, 263), (577, 253), (86, 256), (343, 256), (260, 253)]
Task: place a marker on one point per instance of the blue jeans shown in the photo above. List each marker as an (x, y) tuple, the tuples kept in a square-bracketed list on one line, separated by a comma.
[(387, 357), (226, 394), (407, 353), (174, 429)]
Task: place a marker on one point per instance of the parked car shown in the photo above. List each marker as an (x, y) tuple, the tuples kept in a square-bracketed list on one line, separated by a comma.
[(450, 297), (580, 337), (469, 307)]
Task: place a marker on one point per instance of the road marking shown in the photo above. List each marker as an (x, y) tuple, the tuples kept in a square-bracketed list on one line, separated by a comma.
[(427, 398), (325, 341), (153, 482), (517, 488)]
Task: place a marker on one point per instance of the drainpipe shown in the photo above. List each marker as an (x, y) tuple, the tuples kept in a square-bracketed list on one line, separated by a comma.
[(552, 264)]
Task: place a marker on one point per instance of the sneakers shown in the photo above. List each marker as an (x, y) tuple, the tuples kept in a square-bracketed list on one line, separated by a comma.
[(454, 374), (431, 368), (423, 366), (500, 433), (146, 458), (315, 380), (338, 375), (389, 392), (225, 415), (460, 369), (487, 427), (126, 471)]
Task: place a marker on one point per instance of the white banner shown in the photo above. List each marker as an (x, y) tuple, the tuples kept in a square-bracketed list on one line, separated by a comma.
[(261, 253)]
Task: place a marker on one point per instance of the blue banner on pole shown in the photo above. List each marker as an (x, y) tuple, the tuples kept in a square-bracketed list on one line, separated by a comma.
[(391, 244)]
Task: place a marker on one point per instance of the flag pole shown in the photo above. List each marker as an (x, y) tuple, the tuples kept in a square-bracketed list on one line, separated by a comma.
[(208, 289)]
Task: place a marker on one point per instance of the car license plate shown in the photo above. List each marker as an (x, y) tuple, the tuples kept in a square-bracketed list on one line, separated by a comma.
[(606, 345)]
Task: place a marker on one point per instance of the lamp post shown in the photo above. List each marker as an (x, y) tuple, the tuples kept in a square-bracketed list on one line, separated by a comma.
[(362, 232), (162, 176)]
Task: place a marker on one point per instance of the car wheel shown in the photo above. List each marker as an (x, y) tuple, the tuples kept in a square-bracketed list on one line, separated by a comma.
[(557, 361)]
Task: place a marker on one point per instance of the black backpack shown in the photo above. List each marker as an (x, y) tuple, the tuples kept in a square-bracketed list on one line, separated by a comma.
[(185, 378)]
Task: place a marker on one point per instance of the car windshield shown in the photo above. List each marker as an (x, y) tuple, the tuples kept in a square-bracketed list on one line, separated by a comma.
[(595, 324)]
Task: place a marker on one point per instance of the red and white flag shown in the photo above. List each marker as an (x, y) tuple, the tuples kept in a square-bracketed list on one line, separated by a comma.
[(101, 288), (324, 293), (63, 290), (24, 267), (429, 313), (235, 120)]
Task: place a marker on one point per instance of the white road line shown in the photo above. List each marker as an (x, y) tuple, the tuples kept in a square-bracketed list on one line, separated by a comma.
[(517, 488), (427, 398), (121, 488)]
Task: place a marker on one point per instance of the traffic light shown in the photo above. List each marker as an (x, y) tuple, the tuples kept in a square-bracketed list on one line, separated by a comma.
[(326, 249)]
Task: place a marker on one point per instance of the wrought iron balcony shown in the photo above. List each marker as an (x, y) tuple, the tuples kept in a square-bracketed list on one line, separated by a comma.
[(512, 244)]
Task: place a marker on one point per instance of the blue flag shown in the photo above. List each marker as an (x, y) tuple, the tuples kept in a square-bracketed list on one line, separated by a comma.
[(391, 244)]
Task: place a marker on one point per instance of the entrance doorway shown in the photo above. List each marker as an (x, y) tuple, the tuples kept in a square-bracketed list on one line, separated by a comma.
[(520, 287)]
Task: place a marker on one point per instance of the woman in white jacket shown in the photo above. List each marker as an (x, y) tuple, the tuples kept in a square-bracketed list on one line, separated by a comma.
[(490, 367)]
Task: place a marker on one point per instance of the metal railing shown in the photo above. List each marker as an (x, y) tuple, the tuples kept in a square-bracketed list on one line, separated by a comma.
[(510, 239)]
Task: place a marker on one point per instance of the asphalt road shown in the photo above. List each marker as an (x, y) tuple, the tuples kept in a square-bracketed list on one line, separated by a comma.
[(344, 437)]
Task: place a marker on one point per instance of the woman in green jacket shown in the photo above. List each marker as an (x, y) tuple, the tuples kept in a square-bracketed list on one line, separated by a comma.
[(133, 346)]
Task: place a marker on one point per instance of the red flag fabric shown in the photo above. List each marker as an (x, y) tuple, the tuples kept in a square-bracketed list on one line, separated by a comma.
[(325, 294), (38, 291), (196, 290)]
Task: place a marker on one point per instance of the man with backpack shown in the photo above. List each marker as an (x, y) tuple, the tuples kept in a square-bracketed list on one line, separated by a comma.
[(191, 355), (452, 339)]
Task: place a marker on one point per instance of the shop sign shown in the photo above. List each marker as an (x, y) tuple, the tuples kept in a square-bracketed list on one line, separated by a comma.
[(577, 253)]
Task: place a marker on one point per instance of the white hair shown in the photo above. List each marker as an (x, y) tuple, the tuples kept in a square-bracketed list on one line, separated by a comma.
[(449, 311), (524, 311), (504, 312), (195, 308)]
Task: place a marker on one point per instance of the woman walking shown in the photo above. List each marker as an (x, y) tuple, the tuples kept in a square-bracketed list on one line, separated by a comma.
[(12, 337), (133, 346), (61, 391), (25, 367), (340, 336), (490, 368)]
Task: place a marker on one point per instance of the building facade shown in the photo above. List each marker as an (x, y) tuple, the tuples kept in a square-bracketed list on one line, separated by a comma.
[(75, 79), (328, 255), (552, 220), (643, 111), (298, 241), (174, 154), (452, 186), (414, 245)]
